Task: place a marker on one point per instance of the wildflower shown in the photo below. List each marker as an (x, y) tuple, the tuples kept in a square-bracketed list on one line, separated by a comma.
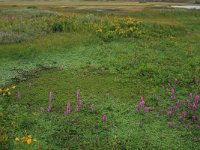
[(196, 102), (190, 96), (23, 139), (104, 118), (50, 107), (9, 93), (179, 103), (77, 108), (1, 90), (29, 136), (7, 89), (172, 91), (184, 114), (197, 126), (175, 81), (171, 124), (169, 114), (4, 94), (13, 86), (193, 118), (80, 102), (16, 139), (137, 108), (51, 97), (142, 102), (29, 141), (42, 109), (147, 108), (92, 107)]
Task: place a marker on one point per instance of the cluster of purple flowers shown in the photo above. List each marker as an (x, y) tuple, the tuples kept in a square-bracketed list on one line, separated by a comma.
[(68, 106)]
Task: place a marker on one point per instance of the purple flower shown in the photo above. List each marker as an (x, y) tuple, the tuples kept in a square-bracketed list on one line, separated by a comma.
[(136, 108), (193, 118), (50, 107), (169, 114), (42, 109), (172, 91), (104, 118), (92, 107), (80, 102), (147, 108), (50, 96), (142, 102), (190, 96), (197, 126), (196, 102), (179, 103), (77, 107), (184, 114), (171, 124), (175, 81)]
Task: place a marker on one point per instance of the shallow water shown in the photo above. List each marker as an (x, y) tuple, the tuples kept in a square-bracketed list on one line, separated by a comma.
[(187, 7)]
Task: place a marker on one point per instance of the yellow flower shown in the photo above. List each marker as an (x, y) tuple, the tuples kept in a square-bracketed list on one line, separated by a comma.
[(17, 139), (29, 136), (4, 94), (23, 139), (13, 86), (1, 90), (99, 30), (9, 93), (7, 89), (29, 141)]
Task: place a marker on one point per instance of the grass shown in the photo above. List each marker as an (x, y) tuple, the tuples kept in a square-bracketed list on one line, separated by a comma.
[(112, 74)]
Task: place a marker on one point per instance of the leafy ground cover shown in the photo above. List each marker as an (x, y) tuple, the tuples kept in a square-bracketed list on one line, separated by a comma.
[(137, 72)]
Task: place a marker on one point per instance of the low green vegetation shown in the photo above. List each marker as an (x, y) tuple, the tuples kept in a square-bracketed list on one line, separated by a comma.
[(122, 79)]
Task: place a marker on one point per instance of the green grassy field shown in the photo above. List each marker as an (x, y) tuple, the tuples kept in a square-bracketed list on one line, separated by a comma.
[(114, 55)]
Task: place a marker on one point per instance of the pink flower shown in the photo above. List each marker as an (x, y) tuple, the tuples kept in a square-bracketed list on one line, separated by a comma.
[(77, 107), (184, 114), (179, 103), (80, 102), (197, 126), (175, 81), (147, 108), (172, 91), (169, 114), (104, 118), (193, 118), (136, 108), (92, 107), (142, 102), (171, 124), (190, 96), (196, 102), (50, 107)]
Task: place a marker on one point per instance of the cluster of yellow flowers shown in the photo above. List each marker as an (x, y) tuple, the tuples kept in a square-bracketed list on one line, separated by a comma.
[(118, 27), (27, 139), (6, 91)]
